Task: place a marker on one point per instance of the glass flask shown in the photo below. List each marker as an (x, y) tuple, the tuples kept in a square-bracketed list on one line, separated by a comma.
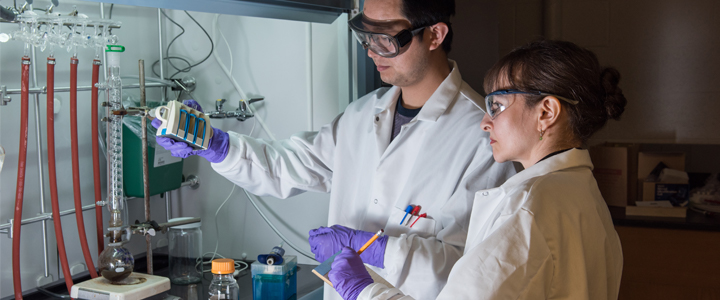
[(223, 285), (115, 263), (185, 250)]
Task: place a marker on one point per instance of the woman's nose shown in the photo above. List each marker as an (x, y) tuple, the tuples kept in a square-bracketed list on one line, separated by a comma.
[(486, 123)]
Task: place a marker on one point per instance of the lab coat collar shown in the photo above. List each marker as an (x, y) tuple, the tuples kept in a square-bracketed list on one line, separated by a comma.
[(573, 158), (438, 102)]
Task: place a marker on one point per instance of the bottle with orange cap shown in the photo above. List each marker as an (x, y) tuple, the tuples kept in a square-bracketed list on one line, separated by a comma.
[(223, 285)]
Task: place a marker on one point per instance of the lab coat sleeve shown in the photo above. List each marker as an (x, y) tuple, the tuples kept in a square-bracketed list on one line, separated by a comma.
[(379, 291), (281, 168), (513, 262)]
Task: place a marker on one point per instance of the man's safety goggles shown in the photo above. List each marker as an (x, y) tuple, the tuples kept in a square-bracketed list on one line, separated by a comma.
[(369, 33), (498, 101)]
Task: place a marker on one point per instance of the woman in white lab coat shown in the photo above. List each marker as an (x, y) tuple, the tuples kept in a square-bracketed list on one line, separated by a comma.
[(546, 233)]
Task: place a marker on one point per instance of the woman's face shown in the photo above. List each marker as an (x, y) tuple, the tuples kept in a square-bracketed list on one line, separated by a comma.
[(513, 133)]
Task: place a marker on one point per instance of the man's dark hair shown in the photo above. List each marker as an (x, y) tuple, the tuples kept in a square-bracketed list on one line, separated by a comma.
[(430, 12)]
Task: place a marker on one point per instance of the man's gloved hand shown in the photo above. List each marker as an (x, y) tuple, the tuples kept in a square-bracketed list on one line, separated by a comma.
[(218, 146), (348, 274), (326, 241)]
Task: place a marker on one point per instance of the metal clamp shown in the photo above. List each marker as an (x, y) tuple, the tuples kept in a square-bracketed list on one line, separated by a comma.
[(192, 181), (4, 98), (128, 234), (132, 111), (145, 228), (10, 231)]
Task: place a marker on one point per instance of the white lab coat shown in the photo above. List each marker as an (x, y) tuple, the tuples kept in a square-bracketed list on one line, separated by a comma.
[(439, 159), (546, 233)]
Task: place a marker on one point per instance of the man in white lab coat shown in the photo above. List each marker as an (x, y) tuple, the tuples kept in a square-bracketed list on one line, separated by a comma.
[(416, 143)]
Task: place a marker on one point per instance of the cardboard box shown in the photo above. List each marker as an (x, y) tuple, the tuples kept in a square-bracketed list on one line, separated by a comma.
[(654, 191), (647, 161), (615, 169)]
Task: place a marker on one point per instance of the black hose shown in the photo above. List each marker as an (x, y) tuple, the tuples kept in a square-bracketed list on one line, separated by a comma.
[(7, 14)]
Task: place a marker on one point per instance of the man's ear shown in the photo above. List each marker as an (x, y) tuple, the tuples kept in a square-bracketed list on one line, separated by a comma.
[(437, 32)]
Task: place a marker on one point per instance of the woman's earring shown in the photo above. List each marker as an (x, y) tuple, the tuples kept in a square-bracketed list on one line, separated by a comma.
[(542, 132)]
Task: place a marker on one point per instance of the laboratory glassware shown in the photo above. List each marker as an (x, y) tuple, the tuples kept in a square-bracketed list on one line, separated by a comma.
[(223, 285), (185, 248), (116, 263)]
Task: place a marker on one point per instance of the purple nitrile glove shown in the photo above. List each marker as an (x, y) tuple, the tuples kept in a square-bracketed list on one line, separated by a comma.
[(326, 241), (216, 151), (348, 274)]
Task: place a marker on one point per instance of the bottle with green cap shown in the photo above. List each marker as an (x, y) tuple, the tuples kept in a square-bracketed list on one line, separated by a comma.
[(223, 285)]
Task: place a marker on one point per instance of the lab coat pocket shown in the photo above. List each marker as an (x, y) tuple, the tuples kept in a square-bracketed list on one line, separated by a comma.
[(424, 227)]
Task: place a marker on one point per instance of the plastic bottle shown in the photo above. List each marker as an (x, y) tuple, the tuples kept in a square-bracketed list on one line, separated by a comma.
[(223, 285)]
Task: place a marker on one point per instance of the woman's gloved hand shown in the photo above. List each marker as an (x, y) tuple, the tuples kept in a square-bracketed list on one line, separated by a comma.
[(326, 241), (348, 274), (218, 146)]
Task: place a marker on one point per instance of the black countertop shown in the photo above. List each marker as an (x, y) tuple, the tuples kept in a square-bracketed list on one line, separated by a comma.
[(307, 282), (693, 221)]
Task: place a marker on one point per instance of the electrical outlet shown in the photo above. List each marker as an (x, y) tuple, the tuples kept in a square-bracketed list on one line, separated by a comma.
[(57, 105), (43, 281), (77, 269)]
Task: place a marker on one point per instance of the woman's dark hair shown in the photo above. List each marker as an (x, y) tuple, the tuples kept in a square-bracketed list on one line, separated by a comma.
[(564, 69), (430, 12)]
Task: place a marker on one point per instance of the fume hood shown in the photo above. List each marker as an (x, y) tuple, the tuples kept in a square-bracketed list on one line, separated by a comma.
[(298, 55)]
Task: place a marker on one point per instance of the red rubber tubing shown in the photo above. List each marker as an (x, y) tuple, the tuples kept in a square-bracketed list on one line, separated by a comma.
[(20, 187), (52, 173), (96, 156), (76, 169)]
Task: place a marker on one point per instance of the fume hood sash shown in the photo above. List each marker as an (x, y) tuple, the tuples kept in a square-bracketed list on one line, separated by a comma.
[(318, 11)]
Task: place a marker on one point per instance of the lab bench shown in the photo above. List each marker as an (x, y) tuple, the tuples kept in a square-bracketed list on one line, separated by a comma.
[(309, 286), (669, 258)]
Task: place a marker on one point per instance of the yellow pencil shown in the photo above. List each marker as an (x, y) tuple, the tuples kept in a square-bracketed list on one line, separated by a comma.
[(369, 242), (324, 267)]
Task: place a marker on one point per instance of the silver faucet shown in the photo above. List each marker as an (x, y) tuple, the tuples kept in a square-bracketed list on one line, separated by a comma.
[(219, 113), (243, 112)]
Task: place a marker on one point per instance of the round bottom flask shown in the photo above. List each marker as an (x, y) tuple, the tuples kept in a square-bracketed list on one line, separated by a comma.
[(116, 263)]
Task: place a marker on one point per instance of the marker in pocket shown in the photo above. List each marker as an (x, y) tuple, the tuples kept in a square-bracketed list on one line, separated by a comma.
[(424, 215), (414, 212), (407, 211)]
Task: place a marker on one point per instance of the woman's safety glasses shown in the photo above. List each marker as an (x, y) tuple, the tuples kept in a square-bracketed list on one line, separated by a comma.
[(498, 101), (370, 34)]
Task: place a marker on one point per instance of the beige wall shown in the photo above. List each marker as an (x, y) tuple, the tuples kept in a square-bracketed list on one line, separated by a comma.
[(666, 50), (475, 44)]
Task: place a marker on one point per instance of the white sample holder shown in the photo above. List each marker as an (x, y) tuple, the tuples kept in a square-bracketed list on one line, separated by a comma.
[(136, 286), (185, 124)]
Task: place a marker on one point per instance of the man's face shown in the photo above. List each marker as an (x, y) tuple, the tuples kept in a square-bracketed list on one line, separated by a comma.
[(410, 66)]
